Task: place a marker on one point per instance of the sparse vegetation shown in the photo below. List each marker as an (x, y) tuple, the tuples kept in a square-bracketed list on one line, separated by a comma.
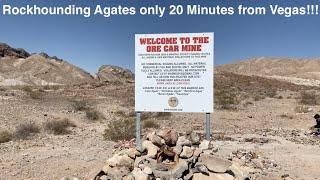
[(123, 129), (34, 94), (80, 105), (308, 98), (58, 126), (150, 124), (5, 136), (23, 131), (286, 116), (93, 115), (301, 109), (227, 100)]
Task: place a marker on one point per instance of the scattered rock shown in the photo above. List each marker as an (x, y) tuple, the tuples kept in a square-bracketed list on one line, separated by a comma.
[(204, 145), (187, 152), (170, 136), (183, 141), (151, 149), (215, 164), (195, 138)]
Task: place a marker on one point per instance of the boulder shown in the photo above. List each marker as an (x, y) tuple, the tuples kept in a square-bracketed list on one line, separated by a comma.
[(204, 145), (156, 140), (183, 141), (139, 175), (187, 152), (195, 138), (151, 149), (175, 172), (239, 172), (177, 149), (121, 160), (212, 176), (215, 164), (170, 137)]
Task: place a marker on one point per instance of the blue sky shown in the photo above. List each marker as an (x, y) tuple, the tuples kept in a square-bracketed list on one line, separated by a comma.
[(95, 41)]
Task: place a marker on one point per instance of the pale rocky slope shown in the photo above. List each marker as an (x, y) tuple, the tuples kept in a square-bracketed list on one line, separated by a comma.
[(298, 71)]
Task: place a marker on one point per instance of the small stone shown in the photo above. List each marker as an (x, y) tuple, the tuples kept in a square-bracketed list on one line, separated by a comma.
[(212, 176), (151, 149), (197, 152), (147, 170), (170, 136), (128, 177), (156, 140), (139, 175), (238, 171), (204, 145), (183, 141), (202, 168), (187, 152), (177, 149), (195, 138), (215, 164), (176, 172), (132, 153)]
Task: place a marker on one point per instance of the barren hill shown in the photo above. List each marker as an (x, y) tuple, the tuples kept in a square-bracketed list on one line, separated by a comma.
[(298, 71), (19, 67)]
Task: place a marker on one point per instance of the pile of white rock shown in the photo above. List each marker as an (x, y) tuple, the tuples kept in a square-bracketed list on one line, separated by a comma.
[(165, 155)]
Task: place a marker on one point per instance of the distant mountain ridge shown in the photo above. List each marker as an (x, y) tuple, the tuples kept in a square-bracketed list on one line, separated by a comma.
[(19, 67), (284, 67)]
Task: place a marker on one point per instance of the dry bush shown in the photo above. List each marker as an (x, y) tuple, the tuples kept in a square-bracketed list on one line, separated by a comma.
[(23, 131), (51, 87), (286, 116), (3, 89), (124, 94), (5, 136), (150, 124), (308, 98), (58, 126), (158, 115), (301, 109), (80, 105), (271, 93), (226, 100), (123, 129), (94, 115), (34, 94)]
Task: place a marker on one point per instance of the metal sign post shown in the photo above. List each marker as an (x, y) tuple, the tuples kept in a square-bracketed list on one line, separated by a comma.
[(138, 130), (208, 126)]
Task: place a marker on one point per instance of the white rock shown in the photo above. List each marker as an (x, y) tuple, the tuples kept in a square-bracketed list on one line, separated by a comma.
[(177, 149), (139, 175), (147, 170), (183, 141), (151, 149), (187, 152), (214, 163), (204, 145)]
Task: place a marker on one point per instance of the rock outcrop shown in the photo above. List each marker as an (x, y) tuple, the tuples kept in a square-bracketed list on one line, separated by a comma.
[(6, 50), (114, 74)]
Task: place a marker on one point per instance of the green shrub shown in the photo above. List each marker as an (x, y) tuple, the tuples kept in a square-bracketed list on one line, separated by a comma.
[(58, 126), (5, 136), (123, 129), (23, 131)]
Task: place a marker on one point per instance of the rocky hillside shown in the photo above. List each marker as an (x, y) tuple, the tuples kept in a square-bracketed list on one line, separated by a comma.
[(276, 67), (18, 67), (114, 74)]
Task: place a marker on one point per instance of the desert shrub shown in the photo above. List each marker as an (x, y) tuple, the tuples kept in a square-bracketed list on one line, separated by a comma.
[(5, 136), (123, 129), (51, 87), (34, 94), (226, 100), (286, 116), (258, 97), (3, 89), (301, 109), (308, 98), (58, 126), (158, 115), (271, 93), (23, 131), (93, 115), (150, 124), (80, 105)]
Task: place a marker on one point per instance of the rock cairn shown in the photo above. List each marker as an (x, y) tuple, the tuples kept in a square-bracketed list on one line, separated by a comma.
[(166, 155)]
